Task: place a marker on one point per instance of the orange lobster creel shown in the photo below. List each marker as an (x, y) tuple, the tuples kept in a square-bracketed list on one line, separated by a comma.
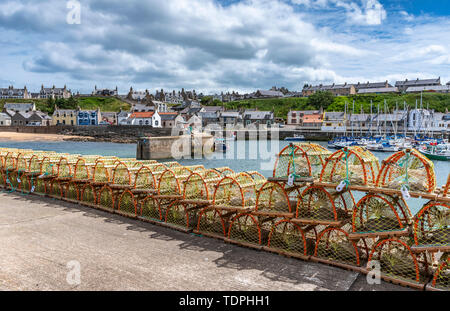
[(288, 238), (307, 158), (447, 187), (127, 204), (244, 229), (357, 164), (318, 206), (334, 246), (441, 278), (272, 199), (407, 168), (432, 227), (381, 214), (397, 262), (101, 174)]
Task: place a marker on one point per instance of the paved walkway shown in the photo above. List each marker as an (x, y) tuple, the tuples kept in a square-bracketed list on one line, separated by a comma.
[(39, 236)]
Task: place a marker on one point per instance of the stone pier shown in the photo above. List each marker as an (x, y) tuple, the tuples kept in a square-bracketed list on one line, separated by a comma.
[(174, 147)]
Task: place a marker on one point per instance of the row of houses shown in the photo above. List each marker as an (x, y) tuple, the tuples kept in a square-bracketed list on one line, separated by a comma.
[(45, 92), (413, 120), (156, 115), (406, 86)]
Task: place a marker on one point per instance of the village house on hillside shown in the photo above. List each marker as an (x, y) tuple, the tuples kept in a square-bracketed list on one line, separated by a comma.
[(432, 89), (64, 116), (13, 93), (258, 118), (88, 117), (105, 92), (305, 118), (334, 122), (54, 92), (18, 107), (150, 118), (336, 89), (404, 85)]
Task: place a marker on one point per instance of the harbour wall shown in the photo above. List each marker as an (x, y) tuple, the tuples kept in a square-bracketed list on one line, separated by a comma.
[(130, 134)]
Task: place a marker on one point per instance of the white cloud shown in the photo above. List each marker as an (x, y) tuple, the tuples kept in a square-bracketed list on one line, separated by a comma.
[(203, 45)]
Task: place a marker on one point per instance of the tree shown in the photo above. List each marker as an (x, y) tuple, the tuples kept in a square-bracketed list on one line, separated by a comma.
[(321, 99)]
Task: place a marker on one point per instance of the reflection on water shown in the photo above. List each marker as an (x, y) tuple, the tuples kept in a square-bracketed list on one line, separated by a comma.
[(243, 156)]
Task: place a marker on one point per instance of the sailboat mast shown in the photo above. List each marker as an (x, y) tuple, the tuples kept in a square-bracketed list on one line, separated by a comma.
[(351, 118)]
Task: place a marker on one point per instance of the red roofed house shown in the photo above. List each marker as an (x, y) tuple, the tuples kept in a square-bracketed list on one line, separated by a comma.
[(149, 118)]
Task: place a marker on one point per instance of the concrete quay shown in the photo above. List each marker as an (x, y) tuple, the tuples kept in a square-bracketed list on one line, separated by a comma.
[(40, 236)]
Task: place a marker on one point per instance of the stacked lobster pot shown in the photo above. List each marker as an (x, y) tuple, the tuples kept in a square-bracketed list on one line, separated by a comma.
[(229, 217), (403, 175), (306, 210)]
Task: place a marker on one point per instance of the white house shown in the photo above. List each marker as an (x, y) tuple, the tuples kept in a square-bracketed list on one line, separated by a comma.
[(5, 119), (149, 118)]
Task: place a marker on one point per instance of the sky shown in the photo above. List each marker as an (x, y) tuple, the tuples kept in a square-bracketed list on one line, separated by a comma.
[(221, 45)]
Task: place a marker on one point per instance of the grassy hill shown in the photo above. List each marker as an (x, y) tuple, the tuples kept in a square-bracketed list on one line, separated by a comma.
[(281, 106), (110, 104)]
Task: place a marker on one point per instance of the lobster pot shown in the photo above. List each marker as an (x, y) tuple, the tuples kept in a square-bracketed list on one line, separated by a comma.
[(169, 193), (334, 246), (35, 164), (141, 163), (88, 196), (211, 174), (441, 278), (257, 177), (127, 204), (72, 192), (101, 174), (82, 170), (229, 194), (23, 163), (358, 164), (12, 179), (225, 171), (398, 263), (244, 229), (56, 190), (10, 162), (26, 184), (149, 209), (288, 238), (64, 169), (307, 159), (432, 227), (42, 185), (48, 167), (318, 206), (106, 199), (447, 188), (172, 164), (273, 200), (382, 214), (211, 223), (407, 168), (145, 179), (198, 192), (121, 175)]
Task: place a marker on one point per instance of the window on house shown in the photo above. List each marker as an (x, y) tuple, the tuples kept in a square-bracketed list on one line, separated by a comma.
[(156, 123)]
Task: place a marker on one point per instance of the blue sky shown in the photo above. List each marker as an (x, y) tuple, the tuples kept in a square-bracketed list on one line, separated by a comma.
[(222, 45)]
